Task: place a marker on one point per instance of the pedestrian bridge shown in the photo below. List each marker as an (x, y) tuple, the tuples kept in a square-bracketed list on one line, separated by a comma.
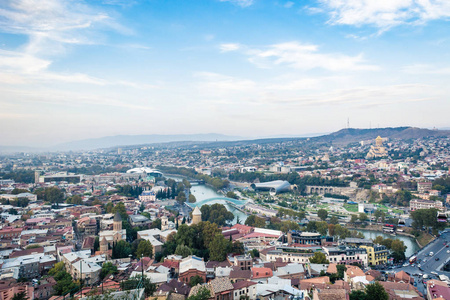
[(235, 202)]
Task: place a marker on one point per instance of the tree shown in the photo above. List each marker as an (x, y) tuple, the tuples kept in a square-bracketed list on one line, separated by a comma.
[(219, 248), (156, 224), (183, 250), (107, 269), (354, 219), (357, 295), (121, 249), (319, 258), (322, 228), (322, 214), (376, 291), (231, 194), (96, 244), (144, 249), (255, 221), (216, 213), (254, 253), (134, 282), (53, 195), (20, 296), (363, 217), (192, 198), (334, 220), (237, 248), (195, 280), (76, 199), (202, 294), (120, 208)]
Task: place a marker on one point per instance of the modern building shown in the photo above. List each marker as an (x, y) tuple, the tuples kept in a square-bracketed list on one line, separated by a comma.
[(376, 254), (423, 187), (415, 204), (305, 238), (274, 187), (346, 255)]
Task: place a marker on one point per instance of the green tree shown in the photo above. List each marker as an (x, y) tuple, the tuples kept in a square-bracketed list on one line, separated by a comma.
[(121, 249), (134, 282), (319, 258), (255, 221), (376, 291), (363, 217), (354, 219), (120, 208), (156, 224), (144, 249), (183, 250), (202, 294), (20, 296), (219, 248), (192, 198), (231, 194), (322, 214), (195, 280), (334, 220), (76, 199), (107, 269), (216, 213), (357, 295), (322, 228), (54, 195)]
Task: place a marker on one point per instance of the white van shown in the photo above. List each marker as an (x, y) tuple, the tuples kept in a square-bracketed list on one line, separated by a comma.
[(425, 276), (431, 253)]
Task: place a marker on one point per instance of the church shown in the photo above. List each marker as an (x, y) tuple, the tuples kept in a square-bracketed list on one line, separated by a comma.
[(377, 150), (115, 235)]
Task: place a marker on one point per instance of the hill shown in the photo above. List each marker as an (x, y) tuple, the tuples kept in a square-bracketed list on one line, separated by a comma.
[(353, 135)]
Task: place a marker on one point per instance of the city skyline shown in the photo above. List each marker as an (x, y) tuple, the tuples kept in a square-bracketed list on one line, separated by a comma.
[(78, 70)]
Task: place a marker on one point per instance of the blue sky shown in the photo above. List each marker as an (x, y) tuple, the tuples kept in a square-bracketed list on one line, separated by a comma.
[(81, 69)]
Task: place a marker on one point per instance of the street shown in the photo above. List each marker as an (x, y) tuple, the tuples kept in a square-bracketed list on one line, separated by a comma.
[(429, 264)]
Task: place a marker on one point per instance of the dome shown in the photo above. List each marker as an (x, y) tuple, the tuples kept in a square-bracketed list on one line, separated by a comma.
[(117, 217)]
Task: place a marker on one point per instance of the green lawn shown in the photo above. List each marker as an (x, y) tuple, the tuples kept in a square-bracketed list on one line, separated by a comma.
[(351, 207)]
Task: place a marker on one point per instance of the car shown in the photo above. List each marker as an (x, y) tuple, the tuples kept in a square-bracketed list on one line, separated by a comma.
[(436, 259), (434, 273), (446, 246), (448, 251), (418, 265)]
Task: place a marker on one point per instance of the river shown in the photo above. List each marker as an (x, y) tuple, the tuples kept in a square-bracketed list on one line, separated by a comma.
[(202, 192), (410, 243)]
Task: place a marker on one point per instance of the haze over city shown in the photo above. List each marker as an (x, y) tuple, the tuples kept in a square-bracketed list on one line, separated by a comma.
[(84, 69)]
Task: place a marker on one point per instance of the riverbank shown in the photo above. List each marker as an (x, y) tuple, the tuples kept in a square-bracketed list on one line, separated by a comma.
[(423, 240)]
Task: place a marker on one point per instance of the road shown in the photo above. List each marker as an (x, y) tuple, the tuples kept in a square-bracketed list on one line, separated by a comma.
[(429, 264)]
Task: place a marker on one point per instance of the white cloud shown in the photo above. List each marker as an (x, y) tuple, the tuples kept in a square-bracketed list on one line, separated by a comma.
[(420, 69), (229, 47), (242, 3), (302, 56), (385, 13)]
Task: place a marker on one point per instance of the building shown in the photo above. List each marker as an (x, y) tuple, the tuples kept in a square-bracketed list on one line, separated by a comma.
[(192, 266), (117, 234), (299, 255), (147, 196), (305, 238), (377, 150), (243, 262), (425, 204), (274, 187), (244, 288), (376, 254), (139, 220), (196, 216), (423, 187), (346, 255)]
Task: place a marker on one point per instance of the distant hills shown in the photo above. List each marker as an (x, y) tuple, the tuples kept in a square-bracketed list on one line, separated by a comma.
[(129, 140), (213, 140), (352, 135)]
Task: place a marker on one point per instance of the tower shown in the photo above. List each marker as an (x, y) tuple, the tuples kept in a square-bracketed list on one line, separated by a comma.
[(117, 223), (196, 216), (164, 223), (103, 245), (379, 141)]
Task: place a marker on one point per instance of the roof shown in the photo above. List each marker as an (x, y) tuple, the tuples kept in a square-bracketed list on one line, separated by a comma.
[(117, 217), (221, 284), (334, 294), (243, 284), (261, 272), (192, 262), (196, 212)]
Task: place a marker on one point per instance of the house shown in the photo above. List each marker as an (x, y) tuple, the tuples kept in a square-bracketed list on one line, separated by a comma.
[(244, 288), (192, 266), (261, 274), (330, 294)]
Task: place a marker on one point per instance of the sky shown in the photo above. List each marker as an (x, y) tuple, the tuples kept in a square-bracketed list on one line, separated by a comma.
[(73, 70)]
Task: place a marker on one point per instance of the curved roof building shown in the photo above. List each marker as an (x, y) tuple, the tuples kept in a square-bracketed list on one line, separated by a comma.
[(277, 186), (146, 170)]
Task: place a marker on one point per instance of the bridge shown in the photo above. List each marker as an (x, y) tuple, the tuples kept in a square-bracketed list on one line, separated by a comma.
[(234, 202), (196, 181), (314, 189)]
